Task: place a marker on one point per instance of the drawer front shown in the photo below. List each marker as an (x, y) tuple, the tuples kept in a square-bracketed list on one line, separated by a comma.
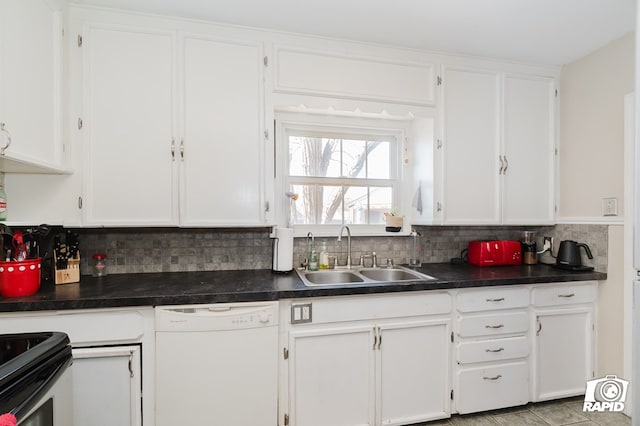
[(564, 294), (493, 324), (489, 299), (481, 389), (493, 350)]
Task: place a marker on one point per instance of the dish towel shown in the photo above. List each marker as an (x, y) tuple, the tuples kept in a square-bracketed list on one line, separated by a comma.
[(8, 420)]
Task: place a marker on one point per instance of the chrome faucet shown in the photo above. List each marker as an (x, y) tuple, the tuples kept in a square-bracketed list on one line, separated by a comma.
[(348, 243)]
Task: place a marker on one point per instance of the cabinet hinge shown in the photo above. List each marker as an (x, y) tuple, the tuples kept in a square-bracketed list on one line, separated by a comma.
[(439, 206), (555, 208), (80, 124), (79, 40), (266, 206), (439, 144), (556, 93), (285, 353), (452, 337), (439, 81), (286, 419), (555, 151), (452, 394), (80, 202), (265, 60), (266, 134)]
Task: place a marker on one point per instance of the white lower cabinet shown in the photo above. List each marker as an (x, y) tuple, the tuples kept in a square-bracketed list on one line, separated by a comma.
[(110, 367), (107, 386), (492, 350), (375, 369), (564, 339)]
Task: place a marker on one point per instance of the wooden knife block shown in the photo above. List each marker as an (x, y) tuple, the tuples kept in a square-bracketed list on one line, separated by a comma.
[(69, 275)]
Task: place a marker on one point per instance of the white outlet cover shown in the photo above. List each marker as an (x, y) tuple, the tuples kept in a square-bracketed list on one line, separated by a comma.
[(610, 206)]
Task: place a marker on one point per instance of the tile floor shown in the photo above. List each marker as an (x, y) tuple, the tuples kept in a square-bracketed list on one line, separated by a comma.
[(557, 413)]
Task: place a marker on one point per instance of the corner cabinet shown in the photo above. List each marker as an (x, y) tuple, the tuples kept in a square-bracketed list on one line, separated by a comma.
[(31, 53), (497, 148), (173, 127), (368, 361)]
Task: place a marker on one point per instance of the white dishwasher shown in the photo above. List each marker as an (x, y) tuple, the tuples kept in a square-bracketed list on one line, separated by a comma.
[(217, 364)]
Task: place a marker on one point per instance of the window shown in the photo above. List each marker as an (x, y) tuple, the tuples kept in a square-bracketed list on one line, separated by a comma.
[(343, 175)]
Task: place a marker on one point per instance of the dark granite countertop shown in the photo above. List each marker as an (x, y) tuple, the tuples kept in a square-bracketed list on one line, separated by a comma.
[(173, 288)]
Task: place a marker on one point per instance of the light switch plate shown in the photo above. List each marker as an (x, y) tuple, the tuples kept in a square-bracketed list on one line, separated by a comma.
[(610, 206), (301, 313)]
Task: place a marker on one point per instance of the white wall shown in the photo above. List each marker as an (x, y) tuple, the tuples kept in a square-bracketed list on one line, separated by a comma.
[(591, 167), (592, 93)]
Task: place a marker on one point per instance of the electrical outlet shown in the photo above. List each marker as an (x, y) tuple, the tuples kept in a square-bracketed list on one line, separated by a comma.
[(610, 206), (548, 244)]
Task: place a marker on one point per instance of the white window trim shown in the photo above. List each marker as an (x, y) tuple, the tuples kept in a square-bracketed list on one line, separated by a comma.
[(291, 122)]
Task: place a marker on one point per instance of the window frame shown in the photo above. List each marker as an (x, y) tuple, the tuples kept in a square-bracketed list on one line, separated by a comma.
[(297, 124)]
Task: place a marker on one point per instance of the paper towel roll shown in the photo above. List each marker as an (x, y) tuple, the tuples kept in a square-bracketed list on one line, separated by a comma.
[(282, 249)]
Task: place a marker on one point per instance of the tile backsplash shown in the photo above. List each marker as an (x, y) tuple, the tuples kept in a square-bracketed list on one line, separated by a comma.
[(136, 250)]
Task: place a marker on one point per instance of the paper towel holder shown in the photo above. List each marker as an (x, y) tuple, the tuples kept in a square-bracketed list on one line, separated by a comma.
[(282, 250)]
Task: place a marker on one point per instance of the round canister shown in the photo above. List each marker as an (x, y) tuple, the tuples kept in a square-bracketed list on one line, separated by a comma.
[(19, 278)]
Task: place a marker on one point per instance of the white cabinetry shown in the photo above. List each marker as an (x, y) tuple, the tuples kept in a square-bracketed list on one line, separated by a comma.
[(110, 367), (492, 349), (31, 86), (374, 361), (564, 343), (498, 148), (107, 380), (174, 127)]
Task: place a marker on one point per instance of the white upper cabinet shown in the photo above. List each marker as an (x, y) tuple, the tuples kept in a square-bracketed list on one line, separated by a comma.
[(173, 127), (529, 150), (31, 86), (471, 147), (497, 149), (128, 125), (221, 174)]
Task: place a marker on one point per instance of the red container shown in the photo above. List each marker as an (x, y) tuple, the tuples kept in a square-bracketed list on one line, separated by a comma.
[(19, 278)]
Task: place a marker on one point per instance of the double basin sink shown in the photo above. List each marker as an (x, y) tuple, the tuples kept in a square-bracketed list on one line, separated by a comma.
[(361, 275)]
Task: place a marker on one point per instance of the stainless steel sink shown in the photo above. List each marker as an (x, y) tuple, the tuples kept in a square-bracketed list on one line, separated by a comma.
[(361, 275), (331, 277), (390, 274)]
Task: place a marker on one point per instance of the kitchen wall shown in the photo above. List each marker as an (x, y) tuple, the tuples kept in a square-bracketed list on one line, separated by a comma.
[(591, 167), (173, 250)]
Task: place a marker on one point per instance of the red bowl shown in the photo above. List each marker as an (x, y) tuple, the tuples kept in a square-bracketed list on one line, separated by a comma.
[(20, 278)]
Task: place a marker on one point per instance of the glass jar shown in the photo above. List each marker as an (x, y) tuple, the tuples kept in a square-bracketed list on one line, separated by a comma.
[(99, 265)]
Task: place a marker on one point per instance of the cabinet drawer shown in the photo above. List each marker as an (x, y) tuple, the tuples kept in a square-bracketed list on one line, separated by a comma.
[(493, 350), (481, 389), (493, 324), (492, 298), (564, 294)]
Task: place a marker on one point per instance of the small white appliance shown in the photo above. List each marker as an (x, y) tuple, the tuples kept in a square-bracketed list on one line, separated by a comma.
[(282, 249)]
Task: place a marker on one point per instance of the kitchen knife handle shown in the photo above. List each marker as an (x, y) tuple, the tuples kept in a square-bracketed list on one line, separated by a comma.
[(7, 136)]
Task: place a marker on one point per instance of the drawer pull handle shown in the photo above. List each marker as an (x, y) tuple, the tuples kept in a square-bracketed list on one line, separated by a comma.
[(499, 376), (500, 299), (567, 295), (494, 350), (494, 326)]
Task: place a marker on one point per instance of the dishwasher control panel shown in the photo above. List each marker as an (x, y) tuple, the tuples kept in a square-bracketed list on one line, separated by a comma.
[(211, 317)]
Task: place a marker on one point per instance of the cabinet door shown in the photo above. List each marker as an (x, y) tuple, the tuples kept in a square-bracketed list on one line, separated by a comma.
[(564, 352), (331, 377), (529, 148), (471, 146), (107, 386), (413, 372), (222, 169), (128, 126), (30, 81)]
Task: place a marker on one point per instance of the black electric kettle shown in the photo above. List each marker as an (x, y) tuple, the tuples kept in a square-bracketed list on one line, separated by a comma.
[(569, 253)]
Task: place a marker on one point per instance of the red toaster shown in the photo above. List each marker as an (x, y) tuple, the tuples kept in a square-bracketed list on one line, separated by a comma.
[(492, 253)]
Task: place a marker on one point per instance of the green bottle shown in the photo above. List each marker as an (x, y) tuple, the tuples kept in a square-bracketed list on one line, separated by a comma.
[(313, 259)]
